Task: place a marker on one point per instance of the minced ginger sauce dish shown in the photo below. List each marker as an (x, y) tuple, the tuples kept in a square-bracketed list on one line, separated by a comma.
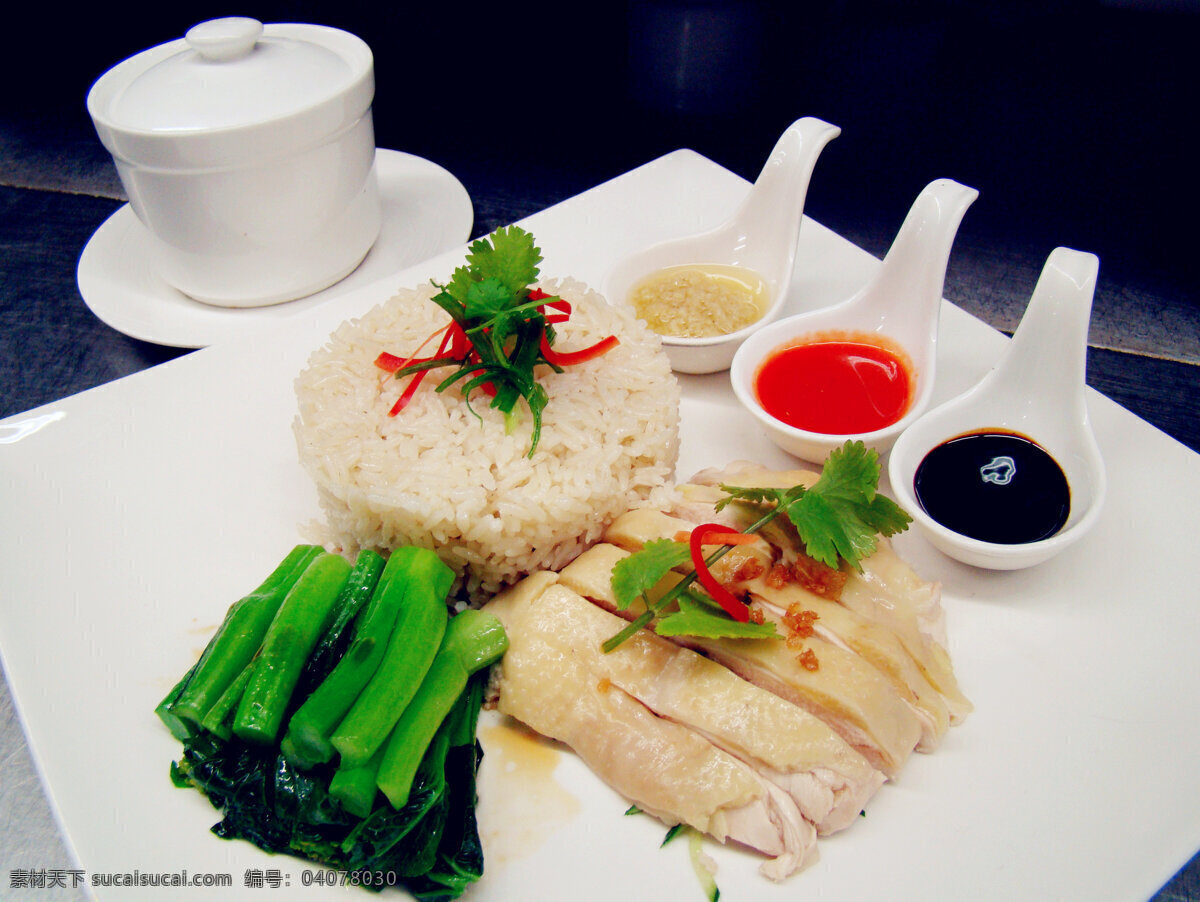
[(700, 300)]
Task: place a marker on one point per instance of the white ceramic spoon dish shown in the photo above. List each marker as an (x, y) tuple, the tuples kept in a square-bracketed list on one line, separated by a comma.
[(760, 236), (1037, 389), (900, 306)]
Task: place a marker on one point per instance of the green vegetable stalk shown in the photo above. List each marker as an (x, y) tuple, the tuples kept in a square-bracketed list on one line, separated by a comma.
[(219, 719), (424, 582), (308, 735), (356, 594), (237, 640), (354, 787), (181, 728), (289, 640), (473, 640)]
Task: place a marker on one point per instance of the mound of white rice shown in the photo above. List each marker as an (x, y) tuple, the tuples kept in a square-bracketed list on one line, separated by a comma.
[(435, 476)]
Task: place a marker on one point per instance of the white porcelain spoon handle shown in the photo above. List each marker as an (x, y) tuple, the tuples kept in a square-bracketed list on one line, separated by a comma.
[(914, 269), (769, 212), (1047, 357)]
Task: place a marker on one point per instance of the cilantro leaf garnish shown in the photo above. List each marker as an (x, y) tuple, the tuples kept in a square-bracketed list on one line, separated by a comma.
[(672, 833), (839, 518), (500, 330), (699, 617), (841, 515), (511, 258), (637, 574), (488, 302)]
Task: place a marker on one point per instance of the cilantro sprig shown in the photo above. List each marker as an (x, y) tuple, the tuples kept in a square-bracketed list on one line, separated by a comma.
[(500, 331), (488, 300), (838, 519)]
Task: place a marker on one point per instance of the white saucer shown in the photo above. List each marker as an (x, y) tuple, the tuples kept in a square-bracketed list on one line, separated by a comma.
[(426, 211)]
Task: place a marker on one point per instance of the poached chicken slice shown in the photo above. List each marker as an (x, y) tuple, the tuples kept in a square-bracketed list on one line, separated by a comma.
[(555, 678), (890, 593), (886, 590), (766, 742), (845, 690), (874, 643), (829, 780)]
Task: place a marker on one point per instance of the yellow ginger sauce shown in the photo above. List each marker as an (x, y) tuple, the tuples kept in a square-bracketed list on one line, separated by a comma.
[(700, 300)]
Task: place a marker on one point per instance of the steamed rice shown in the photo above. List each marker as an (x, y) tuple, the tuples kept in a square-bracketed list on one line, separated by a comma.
[(437, 477)]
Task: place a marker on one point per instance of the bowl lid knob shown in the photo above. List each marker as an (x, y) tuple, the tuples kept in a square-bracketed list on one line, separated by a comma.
[(224, 39)]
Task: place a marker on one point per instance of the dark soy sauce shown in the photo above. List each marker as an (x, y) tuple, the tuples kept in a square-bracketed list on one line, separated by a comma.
[(994, 486)]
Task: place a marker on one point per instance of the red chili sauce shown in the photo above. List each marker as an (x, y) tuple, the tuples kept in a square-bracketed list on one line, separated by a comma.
[(836, 386)]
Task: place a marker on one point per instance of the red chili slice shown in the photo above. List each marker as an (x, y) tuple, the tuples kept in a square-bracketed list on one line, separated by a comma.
[(460, 345), (456, 346), (710, 534), (415, 382), (389, 362), (728, 537), (407, 394), (569, 358), (563, 307)]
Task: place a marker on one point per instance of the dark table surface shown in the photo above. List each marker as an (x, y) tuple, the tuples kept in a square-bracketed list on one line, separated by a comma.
[(1073, 141)]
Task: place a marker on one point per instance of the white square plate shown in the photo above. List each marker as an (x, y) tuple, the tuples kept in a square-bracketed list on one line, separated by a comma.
[(136, 512)]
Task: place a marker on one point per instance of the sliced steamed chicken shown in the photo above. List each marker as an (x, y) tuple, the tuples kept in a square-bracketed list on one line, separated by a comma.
[(805, 607), (765, 742), (556, 679), (808, 759), (887, 591), (843, 689), (891, 594)]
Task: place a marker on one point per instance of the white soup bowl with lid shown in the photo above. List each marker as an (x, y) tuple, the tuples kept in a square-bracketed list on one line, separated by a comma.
[(248, 153)]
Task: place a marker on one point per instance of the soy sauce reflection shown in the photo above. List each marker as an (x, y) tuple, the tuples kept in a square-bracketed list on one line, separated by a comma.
[(997, 487)]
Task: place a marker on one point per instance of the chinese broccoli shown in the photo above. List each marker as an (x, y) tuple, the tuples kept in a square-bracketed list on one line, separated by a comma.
[(272, 793)]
